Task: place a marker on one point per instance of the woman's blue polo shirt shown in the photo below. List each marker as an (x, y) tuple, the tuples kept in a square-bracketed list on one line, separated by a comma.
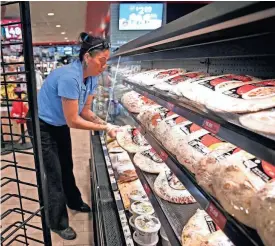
[(67, 82)]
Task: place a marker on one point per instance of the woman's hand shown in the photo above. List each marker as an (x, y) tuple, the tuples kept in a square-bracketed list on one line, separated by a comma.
[(112, 130)]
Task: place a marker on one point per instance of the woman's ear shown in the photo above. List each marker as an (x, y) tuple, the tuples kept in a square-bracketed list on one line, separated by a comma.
[(85, 61)]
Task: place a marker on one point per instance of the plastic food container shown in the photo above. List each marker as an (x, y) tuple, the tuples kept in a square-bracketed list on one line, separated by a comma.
[(131, 221), (147, 227), (164, 238), (140, 243), (141, 208), (137, 196)]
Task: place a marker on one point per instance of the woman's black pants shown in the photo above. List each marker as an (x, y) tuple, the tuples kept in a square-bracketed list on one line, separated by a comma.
[(58, 165)]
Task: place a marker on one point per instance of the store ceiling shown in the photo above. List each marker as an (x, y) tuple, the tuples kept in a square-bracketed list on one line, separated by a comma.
[(70, 15)]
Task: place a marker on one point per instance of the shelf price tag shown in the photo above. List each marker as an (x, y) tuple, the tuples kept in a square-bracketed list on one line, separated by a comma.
[(110, 170), (170, 106), (211, 126), (145, 93), (147, 189), (117, 196), (163, 155), (216, 215), (113, 181)]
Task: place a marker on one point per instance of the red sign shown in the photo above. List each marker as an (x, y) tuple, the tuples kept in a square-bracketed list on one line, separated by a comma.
[(170, 106), (211, 126), (12, 32), (145, 93), (163, 155), (216, 215)]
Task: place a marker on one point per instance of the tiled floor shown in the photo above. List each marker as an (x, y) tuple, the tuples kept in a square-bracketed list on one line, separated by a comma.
[(81, 222)]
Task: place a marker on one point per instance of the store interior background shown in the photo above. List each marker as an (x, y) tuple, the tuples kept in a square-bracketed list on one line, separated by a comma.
[(55, 36), (55, 44)]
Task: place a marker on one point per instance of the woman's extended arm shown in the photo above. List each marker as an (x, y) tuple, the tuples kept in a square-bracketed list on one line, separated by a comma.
[(89, 115), (70, 109)]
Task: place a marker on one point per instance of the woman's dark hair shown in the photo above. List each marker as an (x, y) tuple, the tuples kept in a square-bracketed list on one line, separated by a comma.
[(87, 41)]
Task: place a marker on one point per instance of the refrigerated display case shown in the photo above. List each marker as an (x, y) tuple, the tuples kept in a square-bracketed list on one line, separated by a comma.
[(219, 39)]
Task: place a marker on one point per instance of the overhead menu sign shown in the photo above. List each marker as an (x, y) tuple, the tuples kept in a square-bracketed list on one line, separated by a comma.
[(140, 16)]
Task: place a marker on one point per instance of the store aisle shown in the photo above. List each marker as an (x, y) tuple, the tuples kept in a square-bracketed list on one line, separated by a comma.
[(81, 222)]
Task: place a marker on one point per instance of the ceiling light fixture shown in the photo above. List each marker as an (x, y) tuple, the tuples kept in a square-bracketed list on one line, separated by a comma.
[(65, 38), (50, 14), (58, 25), (63, 33)]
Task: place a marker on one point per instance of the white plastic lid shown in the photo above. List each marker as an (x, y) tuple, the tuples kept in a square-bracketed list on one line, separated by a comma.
[(142, 207), (145, 244), (138, 195), (147, 223), (132, 222)]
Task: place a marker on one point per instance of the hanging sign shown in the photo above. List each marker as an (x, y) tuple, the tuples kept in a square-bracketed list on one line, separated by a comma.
[(11, 32)]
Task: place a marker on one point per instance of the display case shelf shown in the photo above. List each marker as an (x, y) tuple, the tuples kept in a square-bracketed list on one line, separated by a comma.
[(226, 126), (107, 199), (172, 216), (237, 232)]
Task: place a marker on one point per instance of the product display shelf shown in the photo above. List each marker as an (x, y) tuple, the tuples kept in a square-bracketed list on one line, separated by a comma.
[(238, 233), (173, 217), (122, 226), (260, 145)]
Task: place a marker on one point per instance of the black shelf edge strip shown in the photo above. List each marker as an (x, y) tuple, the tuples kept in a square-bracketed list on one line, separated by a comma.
[(236, 232), (11, 23), (174, 240), (12, 43), (252, 142)]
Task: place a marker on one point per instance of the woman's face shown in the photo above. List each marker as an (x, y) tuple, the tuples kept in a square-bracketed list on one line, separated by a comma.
[(97, 64)]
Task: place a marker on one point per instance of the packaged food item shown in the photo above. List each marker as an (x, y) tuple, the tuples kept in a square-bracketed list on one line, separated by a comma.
[(141, 208), (206, 168), (217, 238), (171, 83), (161, 76), (126, 173), (263, 121), (126, 189), (138, 195), (173, 130), (198, 226), (119, 159), (205, 89), (147, 227), (160, 115), (130, 139), (263, 207), (195, 146), (143, 76), (168, 187), (149, 161), (237, 180), (244, 97), (140, 243), (135, 102)]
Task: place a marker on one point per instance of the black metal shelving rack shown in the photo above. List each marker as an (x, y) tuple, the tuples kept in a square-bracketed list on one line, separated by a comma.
[(220, 38), (18, 231)]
